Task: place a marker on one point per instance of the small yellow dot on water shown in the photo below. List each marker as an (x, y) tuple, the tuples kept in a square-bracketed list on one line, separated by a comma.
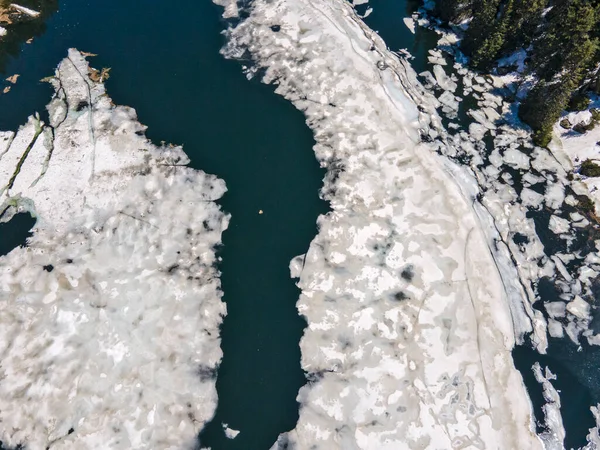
[(260, 211)]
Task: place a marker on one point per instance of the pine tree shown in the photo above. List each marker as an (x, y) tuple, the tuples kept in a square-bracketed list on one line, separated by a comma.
[(562, 57), (482, 26), (543, 107), (567, 38), (489, 50), (515, 26), (525, 21)]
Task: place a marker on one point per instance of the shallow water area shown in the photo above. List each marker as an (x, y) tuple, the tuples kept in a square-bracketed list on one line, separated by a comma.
[(165, 63)]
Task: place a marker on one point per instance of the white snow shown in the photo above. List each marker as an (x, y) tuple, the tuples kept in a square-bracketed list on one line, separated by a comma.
[(443, 80), (516, 59), (109, 319)]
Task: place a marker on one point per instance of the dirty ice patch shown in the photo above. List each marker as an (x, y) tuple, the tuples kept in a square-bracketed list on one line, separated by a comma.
[(109, 319)]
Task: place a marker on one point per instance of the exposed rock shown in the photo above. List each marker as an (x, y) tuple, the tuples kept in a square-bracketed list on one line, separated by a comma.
[(583, 127), (566, 124), (589, 168)]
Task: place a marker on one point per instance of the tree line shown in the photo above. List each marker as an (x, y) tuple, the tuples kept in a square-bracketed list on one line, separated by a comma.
[(562, 39)]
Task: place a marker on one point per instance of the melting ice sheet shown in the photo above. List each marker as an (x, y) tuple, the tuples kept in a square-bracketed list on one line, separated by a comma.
[(109, 319), (409, 327)]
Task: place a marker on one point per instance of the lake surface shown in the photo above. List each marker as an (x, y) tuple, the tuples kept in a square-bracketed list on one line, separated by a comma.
[(165, 63)]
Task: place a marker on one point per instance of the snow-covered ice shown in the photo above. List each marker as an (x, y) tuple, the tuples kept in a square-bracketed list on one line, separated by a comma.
[(230, 433), (109, 319), (409, 327)]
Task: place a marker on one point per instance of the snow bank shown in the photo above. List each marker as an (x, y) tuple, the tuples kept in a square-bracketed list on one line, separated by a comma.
[(109, 319), (409, 331)]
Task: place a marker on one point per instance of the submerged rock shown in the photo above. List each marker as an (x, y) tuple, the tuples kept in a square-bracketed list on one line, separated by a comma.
[(109, 320)]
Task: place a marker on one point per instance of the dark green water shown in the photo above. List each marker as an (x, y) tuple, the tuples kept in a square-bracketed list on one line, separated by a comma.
[(166, 64), (15, 232)]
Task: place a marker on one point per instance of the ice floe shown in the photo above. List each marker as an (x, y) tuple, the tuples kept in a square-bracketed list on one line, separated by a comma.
[(410, 24), (230, 432), (554, 435), (527, 189), (109, 319)]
